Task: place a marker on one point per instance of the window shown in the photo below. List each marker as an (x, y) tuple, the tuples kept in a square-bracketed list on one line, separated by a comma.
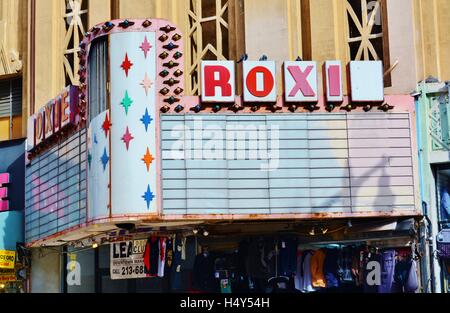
[(368, 32), (215, 33), (11, 97), (98, 77), (86, 260), (76, 24)]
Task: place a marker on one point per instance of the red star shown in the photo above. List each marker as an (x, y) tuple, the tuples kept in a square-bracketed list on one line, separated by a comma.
[(106, 125), (145, 46), (127, 138), (126, 64)]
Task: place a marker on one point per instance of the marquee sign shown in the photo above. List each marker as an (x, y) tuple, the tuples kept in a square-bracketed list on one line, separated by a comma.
[(4, 203), (300, 81), (56, 115)]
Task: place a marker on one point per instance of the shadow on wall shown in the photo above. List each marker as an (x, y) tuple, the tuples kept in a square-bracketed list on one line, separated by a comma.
[(384, 181)]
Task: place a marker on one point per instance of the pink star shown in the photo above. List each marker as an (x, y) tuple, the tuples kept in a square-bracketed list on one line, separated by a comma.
[(146, 83), (145, 46), (127, 138)]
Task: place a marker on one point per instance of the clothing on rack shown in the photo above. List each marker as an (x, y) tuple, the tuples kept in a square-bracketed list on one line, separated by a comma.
[(175, 275), (405, 276), (151, 256), (203, 273), (445, 204), (303, 275), (162, 256), (288, 257), (331, 268), (317, 275), (387, 271)]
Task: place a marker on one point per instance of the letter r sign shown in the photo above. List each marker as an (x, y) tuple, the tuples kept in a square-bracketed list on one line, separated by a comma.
[(218, 84)]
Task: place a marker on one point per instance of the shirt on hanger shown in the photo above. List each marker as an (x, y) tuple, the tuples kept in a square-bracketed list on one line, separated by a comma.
[(317, 261)]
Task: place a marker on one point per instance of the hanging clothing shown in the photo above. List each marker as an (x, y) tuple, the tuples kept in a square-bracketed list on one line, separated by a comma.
[(288, 257), (370, 282), (331, 268), (298, 279), (169, 252), (183, 248), (162, 256), (306, 273), (317, 261), (405, 276), (258, 266), (445, 204), (175, 275), (151, 256), (387, 271), (346, 262), (203, 273)]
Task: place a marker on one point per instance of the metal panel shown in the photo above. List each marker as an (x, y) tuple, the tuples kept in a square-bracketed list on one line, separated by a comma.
[(56, 189), (133, 182), (323, 166)]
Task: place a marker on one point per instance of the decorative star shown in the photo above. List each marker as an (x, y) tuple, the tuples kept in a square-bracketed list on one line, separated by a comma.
[(126, 64), (146, 119), (104, 159), (106, 126), (95, 139), (145, 46), (148, 196), (146, 83), (89, 159), (148, 159), (126, 102), (127, 137)]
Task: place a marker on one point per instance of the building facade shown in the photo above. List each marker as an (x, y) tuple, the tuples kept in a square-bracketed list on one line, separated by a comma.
[(102, 170)]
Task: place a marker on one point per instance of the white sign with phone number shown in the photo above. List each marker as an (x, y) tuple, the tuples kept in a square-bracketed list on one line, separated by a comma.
[(127, 259)]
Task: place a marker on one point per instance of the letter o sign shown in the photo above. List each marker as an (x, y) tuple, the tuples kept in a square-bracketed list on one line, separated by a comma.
[(259, 81)]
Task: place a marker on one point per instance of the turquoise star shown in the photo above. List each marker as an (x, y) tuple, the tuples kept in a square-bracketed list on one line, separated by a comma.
[(126, 102), (104, 159), (146, 119), (148, 196)]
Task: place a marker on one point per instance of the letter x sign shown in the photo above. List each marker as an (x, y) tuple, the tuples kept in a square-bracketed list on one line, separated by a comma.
[(300, 81), (4, 203)]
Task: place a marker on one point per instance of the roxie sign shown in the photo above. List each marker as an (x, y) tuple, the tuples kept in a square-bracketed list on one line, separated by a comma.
[(56, 115), (300, 81)]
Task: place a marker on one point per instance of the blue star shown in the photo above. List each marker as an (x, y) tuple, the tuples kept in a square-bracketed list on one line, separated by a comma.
[(148, 196), (104, 159), (95, 139), (146, 119)]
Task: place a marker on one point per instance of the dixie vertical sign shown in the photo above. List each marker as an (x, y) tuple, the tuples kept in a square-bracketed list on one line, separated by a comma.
[(53, 117)]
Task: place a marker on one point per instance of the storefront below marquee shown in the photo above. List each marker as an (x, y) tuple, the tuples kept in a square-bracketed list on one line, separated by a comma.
[(270, 257)]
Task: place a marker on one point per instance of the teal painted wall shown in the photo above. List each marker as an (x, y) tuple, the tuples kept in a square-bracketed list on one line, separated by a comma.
[(11, 229)]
